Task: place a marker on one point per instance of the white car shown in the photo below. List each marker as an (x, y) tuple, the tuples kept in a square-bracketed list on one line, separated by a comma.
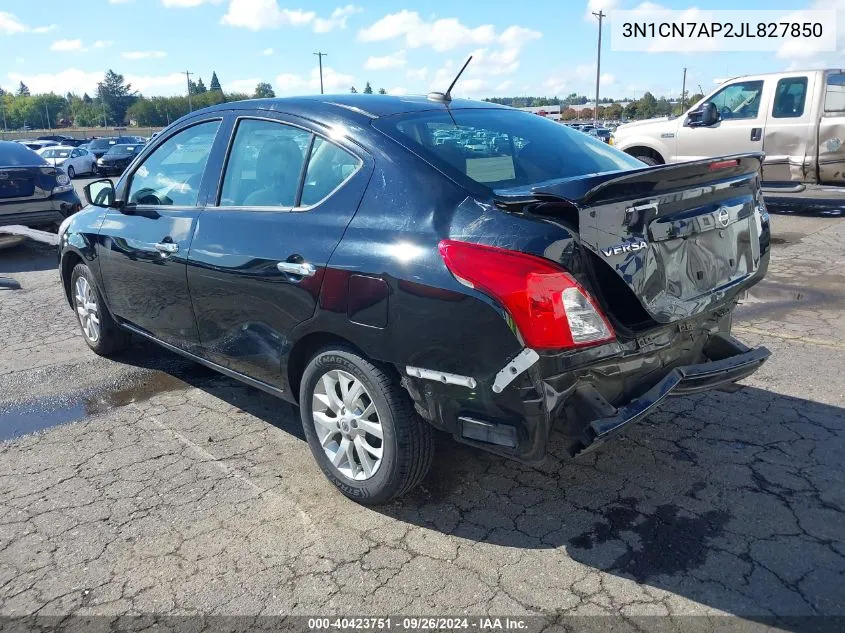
[(74, 160)]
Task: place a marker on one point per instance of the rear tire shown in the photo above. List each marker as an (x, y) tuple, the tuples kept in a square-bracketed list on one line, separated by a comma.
[(101, 333), (648, 160), (371, 470)]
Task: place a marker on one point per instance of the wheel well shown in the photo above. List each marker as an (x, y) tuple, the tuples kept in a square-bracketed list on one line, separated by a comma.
[(642, 150), (304, 351), (69, 262)]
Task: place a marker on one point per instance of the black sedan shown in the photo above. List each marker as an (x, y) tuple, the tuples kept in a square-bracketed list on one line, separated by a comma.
[(114, 161), (330, 251), (99, 146), (32, 192)]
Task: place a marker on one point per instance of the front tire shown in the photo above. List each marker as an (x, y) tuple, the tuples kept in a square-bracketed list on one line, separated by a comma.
[(99, 330), (362, 428), (71, 172), (648, 160)]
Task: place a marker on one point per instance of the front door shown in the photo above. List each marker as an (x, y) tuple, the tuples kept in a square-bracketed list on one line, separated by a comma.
[(261, 247), (739, 129), (144, 246)]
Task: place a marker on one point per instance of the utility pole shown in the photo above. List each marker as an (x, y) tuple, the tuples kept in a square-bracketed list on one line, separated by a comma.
[(601, 15), (190, 105), (48, 116), (684, 91), (320, 56), (3, 103)]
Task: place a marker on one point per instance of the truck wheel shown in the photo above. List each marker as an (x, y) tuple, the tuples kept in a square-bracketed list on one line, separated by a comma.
[(648, 160), (362, 427), (99, 330)]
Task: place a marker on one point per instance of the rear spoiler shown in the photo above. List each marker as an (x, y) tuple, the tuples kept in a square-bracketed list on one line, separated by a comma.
[(607, 187)]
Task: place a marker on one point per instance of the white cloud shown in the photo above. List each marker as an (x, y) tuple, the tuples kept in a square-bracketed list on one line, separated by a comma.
[(333, 81), (268, 51), (68, 46), (186, 3), (600, 5), (507, 83), (396, 60), (518, 36), (420, 74), (242, 85), (398, 91), (103, 43), (337, 19), (170, 84), (11, 25), (62, 82), (803, 48), (442, 34), (143, 55), (576, 80), (263, 14)]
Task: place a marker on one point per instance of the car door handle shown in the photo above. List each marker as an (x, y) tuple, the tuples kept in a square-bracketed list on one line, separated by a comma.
[(303, 269), (167, 248), (756, 133)]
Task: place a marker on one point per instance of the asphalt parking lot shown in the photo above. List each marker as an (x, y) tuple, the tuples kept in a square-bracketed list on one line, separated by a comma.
[(151, 485)]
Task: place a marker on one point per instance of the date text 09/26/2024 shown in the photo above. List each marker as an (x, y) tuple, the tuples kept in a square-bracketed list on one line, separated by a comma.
[(486, 623)]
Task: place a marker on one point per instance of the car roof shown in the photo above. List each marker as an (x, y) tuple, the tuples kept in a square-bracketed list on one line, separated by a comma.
[(370, 106)]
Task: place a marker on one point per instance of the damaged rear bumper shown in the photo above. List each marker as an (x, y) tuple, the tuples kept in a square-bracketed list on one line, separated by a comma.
[(737, 362)]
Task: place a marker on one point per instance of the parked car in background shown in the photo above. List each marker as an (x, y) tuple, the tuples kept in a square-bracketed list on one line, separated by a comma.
[(99, 146), (59, 138), (32, 192), (601, 133), (74, 160), (114, 161), (36, 145), (797, 118), (75, 142), (331, 252)]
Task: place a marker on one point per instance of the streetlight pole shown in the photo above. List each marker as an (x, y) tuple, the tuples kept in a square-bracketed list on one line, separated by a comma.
[(601, 15), (190, 105), (320, 56)]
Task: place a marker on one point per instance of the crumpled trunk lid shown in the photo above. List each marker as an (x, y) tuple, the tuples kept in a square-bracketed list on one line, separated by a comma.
[(683, 238)]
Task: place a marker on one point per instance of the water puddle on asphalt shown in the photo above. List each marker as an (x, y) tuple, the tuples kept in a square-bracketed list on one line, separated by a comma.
[(36, 416)]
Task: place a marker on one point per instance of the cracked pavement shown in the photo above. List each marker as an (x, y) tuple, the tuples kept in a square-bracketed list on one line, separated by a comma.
[(152, 485)]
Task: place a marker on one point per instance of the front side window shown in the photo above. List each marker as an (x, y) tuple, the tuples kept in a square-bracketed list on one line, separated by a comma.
[(834, 98), (503, 148), (790, 96), (172, 174), (739, 101), (265, 165)]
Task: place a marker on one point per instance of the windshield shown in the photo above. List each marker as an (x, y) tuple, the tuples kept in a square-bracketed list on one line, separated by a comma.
[(502, 148), (101, 143), (55, 153), (123, 150)]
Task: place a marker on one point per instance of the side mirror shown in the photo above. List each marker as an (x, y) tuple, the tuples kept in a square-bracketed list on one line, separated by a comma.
[(709, 114), (100, 193)]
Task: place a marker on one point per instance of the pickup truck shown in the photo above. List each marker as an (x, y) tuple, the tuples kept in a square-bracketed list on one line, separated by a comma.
[(796, 118)]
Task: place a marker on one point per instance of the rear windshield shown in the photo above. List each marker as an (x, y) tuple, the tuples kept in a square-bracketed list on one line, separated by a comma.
[(55, 153), (102, 143), (123, 150), (15, 154), (502, 148)]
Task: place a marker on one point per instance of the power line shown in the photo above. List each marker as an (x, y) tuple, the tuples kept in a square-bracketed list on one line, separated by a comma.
[(320, 56), (601, 15)]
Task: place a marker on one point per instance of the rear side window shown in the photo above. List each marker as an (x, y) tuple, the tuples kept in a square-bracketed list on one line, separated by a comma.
[(834, 98), (790, 95), (329, 166), (502, 148), (265, 165)]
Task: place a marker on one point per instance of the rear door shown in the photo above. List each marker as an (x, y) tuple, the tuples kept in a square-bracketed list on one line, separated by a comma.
[(831, 161), (286, 196), (742, 117), (789, 136), (144, 246)]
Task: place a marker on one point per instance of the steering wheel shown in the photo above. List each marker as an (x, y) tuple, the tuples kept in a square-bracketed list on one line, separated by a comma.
[(726, 112), (148, 198)]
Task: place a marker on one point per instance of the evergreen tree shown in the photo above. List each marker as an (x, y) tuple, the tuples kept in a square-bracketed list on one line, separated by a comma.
[(263, 91), (215, 83), (382, 91), (353, 90), (86, 98), (199, 87), (368, 89), (23, 90)]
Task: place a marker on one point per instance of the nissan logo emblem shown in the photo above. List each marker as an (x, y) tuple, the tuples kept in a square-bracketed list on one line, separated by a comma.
[(723, 217)]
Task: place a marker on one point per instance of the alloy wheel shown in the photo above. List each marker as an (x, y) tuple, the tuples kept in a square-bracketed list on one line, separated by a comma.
[(87, 309), (348, 425)]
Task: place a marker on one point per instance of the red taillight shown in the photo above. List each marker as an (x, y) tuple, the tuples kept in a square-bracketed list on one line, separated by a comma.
[(550, 309), (723, 164)]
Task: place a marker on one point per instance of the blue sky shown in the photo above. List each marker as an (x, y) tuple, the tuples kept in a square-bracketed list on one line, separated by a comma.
[(541, 47)]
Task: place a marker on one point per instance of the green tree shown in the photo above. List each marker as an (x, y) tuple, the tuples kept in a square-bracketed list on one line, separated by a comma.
[(23, 90), (215, 83), (632, 110), (86, 98), (199, 87), (368, 89), (647, 106), (382, 91), (116, 94), (353, 90), (263, 91)]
